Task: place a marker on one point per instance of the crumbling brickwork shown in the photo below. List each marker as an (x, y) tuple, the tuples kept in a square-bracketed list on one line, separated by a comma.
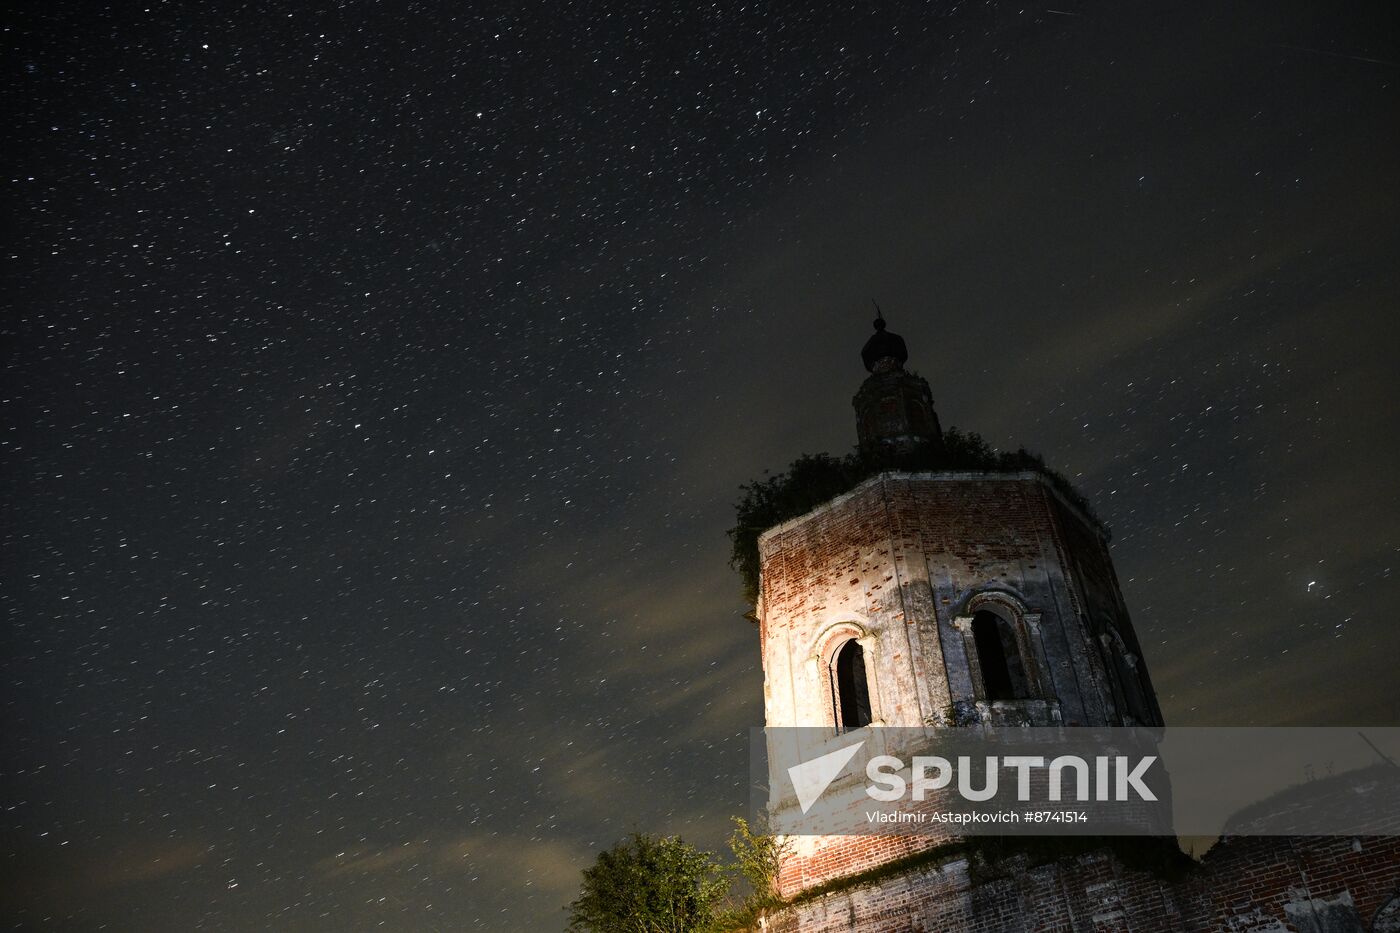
[(966, 598), (901, 564), (903, 560), (1244, 885)]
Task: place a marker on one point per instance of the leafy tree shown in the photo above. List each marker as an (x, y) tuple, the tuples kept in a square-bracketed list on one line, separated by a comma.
[(758, 856), (649, 884)]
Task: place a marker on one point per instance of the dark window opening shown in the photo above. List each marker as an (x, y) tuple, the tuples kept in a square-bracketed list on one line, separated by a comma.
[(851, 695), (1003, 674)]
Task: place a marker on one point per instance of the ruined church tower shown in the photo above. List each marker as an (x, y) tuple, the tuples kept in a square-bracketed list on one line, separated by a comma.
[(938, 598)]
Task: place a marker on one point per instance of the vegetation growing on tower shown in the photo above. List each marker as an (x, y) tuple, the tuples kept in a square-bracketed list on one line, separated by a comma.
[(813, 479)]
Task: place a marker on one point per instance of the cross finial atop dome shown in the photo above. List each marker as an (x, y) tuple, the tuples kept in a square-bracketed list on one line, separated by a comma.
[(883, 346)]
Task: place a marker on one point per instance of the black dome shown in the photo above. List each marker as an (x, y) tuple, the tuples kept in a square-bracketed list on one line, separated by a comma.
[(883, 344)]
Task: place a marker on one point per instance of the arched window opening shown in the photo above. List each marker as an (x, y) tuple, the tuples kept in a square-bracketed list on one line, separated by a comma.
[(1003, 673), (850, 693)]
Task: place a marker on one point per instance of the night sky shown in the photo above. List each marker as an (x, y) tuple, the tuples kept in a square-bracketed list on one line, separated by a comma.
[(379, 380)]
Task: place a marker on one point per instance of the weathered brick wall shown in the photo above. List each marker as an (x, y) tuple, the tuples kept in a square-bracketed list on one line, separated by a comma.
[(816, 860), (899, 557), (1274, 883), (1092, 892), (1093, 586), (899, 563), (1249, 885)]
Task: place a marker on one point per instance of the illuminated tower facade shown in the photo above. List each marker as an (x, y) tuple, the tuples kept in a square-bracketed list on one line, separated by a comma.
[(938, 597)]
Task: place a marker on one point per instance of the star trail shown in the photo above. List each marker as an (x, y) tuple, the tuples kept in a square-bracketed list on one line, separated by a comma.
[(379, 378)]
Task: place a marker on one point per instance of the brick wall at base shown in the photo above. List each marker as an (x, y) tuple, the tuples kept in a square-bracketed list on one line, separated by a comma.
[(1244, 885)]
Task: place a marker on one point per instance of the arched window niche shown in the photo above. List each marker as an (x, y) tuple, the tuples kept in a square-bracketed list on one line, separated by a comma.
[(850, 690), (844, 664), (999, 656), (1000, 638)]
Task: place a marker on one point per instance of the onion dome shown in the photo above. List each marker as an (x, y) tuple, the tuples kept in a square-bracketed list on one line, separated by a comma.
[(883, 345)]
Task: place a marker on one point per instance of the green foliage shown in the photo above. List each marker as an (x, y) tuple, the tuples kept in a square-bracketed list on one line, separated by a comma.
[(813, 479), (649, 884), (758, 856), (646, 884)]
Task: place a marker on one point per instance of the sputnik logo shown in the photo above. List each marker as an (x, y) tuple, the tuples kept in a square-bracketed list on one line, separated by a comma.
[(811, 778)]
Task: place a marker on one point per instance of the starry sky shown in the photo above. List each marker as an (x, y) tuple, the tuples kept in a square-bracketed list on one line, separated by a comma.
[(379, 379)]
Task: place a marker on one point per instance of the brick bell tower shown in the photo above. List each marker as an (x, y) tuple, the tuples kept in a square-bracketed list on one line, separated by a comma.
[(937, 598)]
